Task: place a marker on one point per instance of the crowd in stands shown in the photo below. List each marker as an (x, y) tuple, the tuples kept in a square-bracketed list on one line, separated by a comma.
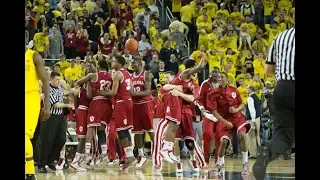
[(233, 35)]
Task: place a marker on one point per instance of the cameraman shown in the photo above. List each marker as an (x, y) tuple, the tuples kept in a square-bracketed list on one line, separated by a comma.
[(266, 113)]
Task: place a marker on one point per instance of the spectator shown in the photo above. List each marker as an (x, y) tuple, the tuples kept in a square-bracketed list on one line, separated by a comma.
[(69, 21), (172, 64), (159, 75), (154, 64), (64, 64), (41, 43), (258, 16), (247, 9), (82, 44), (55, 43), (144, 45), (72, 73), (253, 114), (154, 8), (30, 18), (70, 42)]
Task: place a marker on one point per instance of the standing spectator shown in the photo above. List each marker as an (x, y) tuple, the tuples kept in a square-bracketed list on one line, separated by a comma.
[(90, 5), (53, 130), (247, 9), (41, 43), (64, 64), (55, 43), (30, 18), (69, 21), (105, 44), (266, 113), (186, 13), (154, 8), (49, 15), (74, 4), (144, 45), (70, 42), (253, 114), (154, 64), (165, 52), (82, 44), (258, 16), (172, 64), (159, 75), (268, 6)]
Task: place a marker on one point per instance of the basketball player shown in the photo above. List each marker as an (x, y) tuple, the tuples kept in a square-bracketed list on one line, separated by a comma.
[(225, 104), (100, 109), (186, 131), (81, 104), (142, 109), (123, 109), (34, 71), (172, 105), (208, 126)]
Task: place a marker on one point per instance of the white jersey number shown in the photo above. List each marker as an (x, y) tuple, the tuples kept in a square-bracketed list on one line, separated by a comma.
[(105, 85)]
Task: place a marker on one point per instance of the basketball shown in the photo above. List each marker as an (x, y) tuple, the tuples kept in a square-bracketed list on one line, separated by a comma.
[(131, 45)]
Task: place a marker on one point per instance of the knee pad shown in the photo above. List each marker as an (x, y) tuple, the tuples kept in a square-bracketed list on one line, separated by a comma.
[(189, 144), (101, 137), (124, 134)]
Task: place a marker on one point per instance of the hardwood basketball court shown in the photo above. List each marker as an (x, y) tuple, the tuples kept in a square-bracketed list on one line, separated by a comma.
[(277, 170)]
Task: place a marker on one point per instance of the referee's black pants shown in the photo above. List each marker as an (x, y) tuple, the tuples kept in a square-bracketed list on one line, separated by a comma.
[(53, 138), (284, 118)]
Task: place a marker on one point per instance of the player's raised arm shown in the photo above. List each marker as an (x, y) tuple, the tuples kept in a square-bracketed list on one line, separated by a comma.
[(117, 78), (147, 86), (190, 71), (86, 79), (39, 64), (270, 65)]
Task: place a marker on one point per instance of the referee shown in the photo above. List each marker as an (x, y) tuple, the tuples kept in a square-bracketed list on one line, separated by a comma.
[(281, 60), (53, 130)]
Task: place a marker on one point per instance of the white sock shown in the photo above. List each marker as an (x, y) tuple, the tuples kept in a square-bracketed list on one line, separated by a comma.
[(88, 148), (244, 157), (192, 157), (178, 158), (63, 154), (220, 160), (76, 158), (129, 152), (140, 151), (167, 145), (104, 149)]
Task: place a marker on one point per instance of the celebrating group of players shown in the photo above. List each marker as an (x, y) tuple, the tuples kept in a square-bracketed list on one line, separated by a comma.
[(111, 103)]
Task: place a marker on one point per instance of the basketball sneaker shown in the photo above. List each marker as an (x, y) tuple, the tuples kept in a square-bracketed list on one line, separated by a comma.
[(98, 161), (179, 168), (75, 166), (60, 164), (128, 163), (30, 177), (245, 170), (112, 162), (86, 160), (141, 161), (217, 169), (194, 165)]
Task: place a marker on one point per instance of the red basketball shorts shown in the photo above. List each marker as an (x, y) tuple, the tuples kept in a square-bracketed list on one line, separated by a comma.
[(186, 130), (142, 118), (239, 125), (172, 108), (100, 111), (123, 115), (81, 121)]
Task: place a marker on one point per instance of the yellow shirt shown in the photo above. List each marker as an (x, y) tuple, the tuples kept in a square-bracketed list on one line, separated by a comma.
[(40, 41), (57, 13), (231, 41), (32, 80), (158, 42), (63, 65), (212, 9), (196, 56), (271, 79), (181, 67), (41, 6), (80, 11), (176, 5), (231, 79), (268, 7), (90, 6), (224, 13), (152, 32), (248, 82), (113, 31), (211, 43), (136, 11), (74, 5), (214, 60), (72, 74), (237, 17), (243, 94), (258, 66), (206, 26), (186, 13), (219, 44), (200, 19), (258, 87)]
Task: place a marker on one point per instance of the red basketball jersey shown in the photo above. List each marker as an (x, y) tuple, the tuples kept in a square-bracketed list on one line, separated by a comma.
[(184, 83), (103, 82), (138, 82), (124, 86), (83, 98)]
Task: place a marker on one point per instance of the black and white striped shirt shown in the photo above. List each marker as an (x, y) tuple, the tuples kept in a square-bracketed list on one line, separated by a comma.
[(56, 96), (282, 54)]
